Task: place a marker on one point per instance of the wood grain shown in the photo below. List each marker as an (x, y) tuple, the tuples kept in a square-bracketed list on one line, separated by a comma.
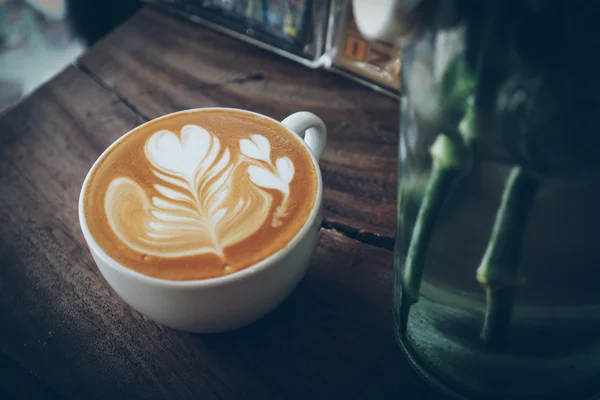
[(160, 64), (65, 334)]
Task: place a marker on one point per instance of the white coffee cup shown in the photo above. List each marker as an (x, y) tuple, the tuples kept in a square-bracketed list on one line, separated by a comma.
[(230, 301)]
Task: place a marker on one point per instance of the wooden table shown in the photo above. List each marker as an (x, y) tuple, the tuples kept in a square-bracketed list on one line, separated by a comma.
[(65, 334)]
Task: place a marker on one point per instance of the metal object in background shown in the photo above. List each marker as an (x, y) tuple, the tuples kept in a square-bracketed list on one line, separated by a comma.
[(292, 28), (316, 33)]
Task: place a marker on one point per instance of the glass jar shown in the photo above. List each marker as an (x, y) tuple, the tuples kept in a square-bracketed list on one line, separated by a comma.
[(497, 268)]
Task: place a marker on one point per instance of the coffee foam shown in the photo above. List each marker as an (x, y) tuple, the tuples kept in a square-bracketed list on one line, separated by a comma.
[(207, 199), (202, 195)]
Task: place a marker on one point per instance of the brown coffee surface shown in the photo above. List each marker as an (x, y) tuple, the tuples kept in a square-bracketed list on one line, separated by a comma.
[(200, 194)]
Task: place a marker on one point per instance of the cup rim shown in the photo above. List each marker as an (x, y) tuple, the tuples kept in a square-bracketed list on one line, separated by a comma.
[(207, 282)]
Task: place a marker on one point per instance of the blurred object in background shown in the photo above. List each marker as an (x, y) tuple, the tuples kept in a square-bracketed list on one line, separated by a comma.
[(315, 33), (375, 63), (52, 9), (292, 28), (92, 19), (39, 38)]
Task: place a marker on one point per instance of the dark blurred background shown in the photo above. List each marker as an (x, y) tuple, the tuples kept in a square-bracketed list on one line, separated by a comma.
[(38, 38)]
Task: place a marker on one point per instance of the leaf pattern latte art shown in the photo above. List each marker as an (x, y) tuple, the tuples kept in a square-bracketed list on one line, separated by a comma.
[(205, 198)]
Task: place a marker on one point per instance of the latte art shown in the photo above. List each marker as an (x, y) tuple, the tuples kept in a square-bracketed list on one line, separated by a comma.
[(200, 194), (196, 209)]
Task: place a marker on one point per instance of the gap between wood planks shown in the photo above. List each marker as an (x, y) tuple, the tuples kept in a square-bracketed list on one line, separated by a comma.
[(360, 235)]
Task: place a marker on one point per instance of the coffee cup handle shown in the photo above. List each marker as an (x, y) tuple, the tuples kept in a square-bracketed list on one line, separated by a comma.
[(310, 128)]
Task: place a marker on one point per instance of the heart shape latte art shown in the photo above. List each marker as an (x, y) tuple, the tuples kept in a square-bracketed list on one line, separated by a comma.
[(204, 200)]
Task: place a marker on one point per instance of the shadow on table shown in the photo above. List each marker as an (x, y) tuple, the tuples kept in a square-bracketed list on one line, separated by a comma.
[(333, 336)]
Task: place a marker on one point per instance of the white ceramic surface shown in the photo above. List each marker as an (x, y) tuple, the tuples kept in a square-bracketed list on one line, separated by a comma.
[(230, 301), (377, 19)]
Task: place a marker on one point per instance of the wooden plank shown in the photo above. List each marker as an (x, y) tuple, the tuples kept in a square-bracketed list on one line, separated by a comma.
[(65, 334), (161, 64)]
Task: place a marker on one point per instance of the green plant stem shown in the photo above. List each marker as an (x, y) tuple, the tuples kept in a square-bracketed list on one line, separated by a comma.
[(448, 159), (499, 268)]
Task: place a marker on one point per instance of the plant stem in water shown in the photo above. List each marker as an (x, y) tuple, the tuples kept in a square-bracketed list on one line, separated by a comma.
[(448, 159), (499, 269)]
